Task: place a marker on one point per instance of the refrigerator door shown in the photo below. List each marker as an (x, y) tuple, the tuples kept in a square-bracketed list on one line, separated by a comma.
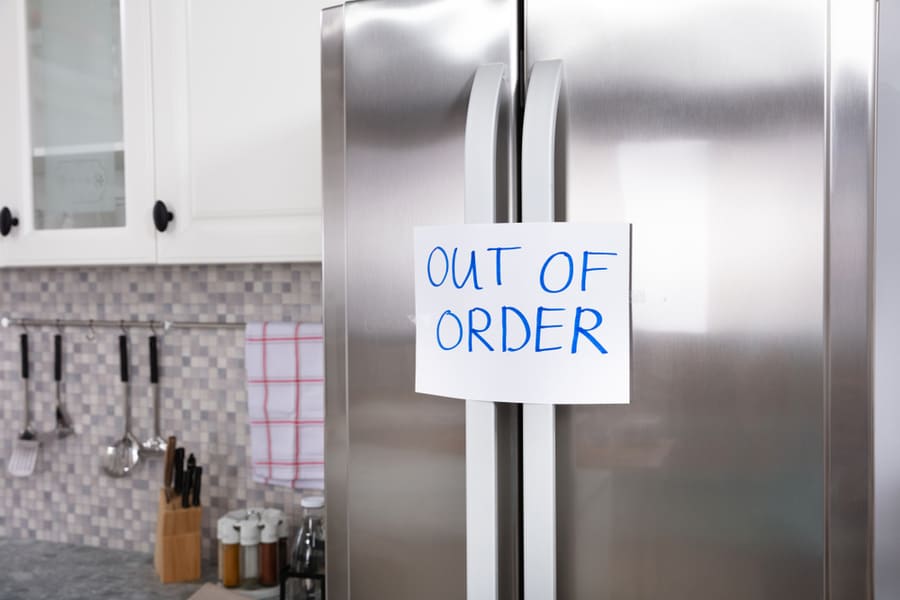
[(408, 69), (702, 123)]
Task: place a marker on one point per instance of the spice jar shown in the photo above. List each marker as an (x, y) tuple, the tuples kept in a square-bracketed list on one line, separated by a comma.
[(230, 553), (284, 530), (249, 553), (268, 553), (220, 524)]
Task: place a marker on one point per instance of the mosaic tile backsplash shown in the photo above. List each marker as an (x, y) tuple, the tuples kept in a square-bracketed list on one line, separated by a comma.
[(202, 390)]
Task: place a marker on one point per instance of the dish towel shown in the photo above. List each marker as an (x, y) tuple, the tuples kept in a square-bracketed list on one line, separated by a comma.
[(285, 367)]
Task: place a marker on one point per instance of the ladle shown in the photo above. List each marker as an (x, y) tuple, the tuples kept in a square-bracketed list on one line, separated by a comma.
[(157, 443), (64, 426)]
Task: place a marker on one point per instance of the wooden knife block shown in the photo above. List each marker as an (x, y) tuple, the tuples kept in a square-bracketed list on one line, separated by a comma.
[(177, 553)]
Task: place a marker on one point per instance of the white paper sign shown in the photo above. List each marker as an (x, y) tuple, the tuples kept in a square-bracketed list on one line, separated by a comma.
[(534, 313)]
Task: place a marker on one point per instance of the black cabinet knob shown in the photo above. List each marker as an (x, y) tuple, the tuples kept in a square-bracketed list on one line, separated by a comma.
[(7, 221), (162, 216)]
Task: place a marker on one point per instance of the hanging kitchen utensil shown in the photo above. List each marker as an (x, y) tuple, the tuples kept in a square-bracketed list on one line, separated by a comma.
[(157, 443), (64, 426), (121, 457), (25, 450)]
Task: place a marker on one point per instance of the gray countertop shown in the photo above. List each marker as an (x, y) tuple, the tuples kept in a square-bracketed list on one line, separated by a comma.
[(48, 570)]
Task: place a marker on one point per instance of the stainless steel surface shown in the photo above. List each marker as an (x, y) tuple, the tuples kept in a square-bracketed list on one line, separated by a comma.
[(333, 302), (849, 286), (408, 70), (127, 324), (737, 138), (702, 123), (886, 327), (539, 146)]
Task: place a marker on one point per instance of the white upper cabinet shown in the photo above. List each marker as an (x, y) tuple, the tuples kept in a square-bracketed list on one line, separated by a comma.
[(76, 148), (238, 143), (111, 110)]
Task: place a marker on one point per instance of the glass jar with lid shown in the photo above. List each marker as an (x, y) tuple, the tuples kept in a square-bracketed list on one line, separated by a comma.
[(308, 549)]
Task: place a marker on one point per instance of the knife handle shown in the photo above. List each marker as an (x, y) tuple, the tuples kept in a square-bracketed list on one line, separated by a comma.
[(195, 485), (123, 358), (154, 360), (57, 358), (170, 462), (179, 470), (186, 492)]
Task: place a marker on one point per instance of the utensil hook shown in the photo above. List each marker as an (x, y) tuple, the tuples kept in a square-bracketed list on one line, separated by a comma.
[(153, 327), (59, 327), (91, 334), (24, 327), (122, 326)]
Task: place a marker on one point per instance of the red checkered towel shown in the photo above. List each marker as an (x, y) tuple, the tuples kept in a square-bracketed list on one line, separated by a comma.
[(286, 403)]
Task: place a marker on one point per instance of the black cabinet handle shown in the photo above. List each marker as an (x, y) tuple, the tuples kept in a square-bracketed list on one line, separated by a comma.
[(162, 216), (7, 221)]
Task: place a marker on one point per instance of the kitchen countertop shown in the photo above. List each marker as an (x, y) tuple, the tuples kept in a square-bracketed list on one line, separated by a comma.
[(48, 570)]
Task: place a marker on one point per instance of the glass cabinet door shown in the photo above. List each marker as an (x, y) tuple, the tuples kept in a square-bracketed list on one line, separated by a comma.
[(75, 96), (76, 150)]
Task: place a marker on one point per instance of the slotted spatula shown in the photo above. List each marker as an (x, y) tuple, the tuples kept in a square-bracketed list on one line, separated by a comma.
[(25, 449)]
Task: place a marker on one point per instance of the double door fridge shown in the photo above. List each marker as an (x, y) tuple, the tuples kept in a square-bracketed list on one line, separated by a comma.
[(738, 138)]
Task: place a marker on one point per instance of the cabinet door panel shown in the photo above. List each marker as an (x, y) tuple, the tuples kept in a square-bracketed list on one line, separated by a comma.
[(238, 136), (14, 155), (78, 161)]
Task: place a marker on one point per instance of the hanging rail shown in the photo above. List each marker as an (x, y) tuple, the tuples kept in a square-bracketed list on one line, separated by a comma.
[(107, 323)]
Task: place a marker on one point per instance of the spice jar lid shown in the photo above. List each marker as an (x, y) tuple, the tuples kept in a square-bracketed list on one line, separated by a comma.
[(269, 533), (272, 513), (249, 532), (231, 534), (278, 516), (225, 525), (312, 502), (284, 528), (252, 512)]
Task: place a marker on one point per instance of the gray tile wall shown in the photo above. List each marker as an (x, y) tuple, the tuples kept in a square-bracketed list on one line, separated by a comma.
[(203, 393)]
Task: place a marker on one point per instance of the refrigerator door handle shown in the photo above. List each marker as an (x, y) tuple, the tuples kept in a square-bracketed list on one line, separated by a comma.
[(539, 141), (539, 420), (482, 124), (489, 87)]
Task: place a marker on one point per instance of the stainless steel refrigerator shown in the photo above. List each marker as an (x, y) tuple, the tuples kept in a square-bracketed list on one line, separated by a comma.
[(738, 138)]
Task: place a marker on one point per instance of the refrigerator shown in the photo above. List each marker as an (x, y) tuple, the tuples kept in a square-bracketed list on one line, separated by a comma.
[(752, 146)]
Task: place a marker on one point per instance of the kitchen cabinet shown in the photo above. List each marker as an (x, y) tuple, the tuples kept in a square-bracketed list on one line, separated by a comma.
[(237, 111), (76, 149), (169, 132)]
